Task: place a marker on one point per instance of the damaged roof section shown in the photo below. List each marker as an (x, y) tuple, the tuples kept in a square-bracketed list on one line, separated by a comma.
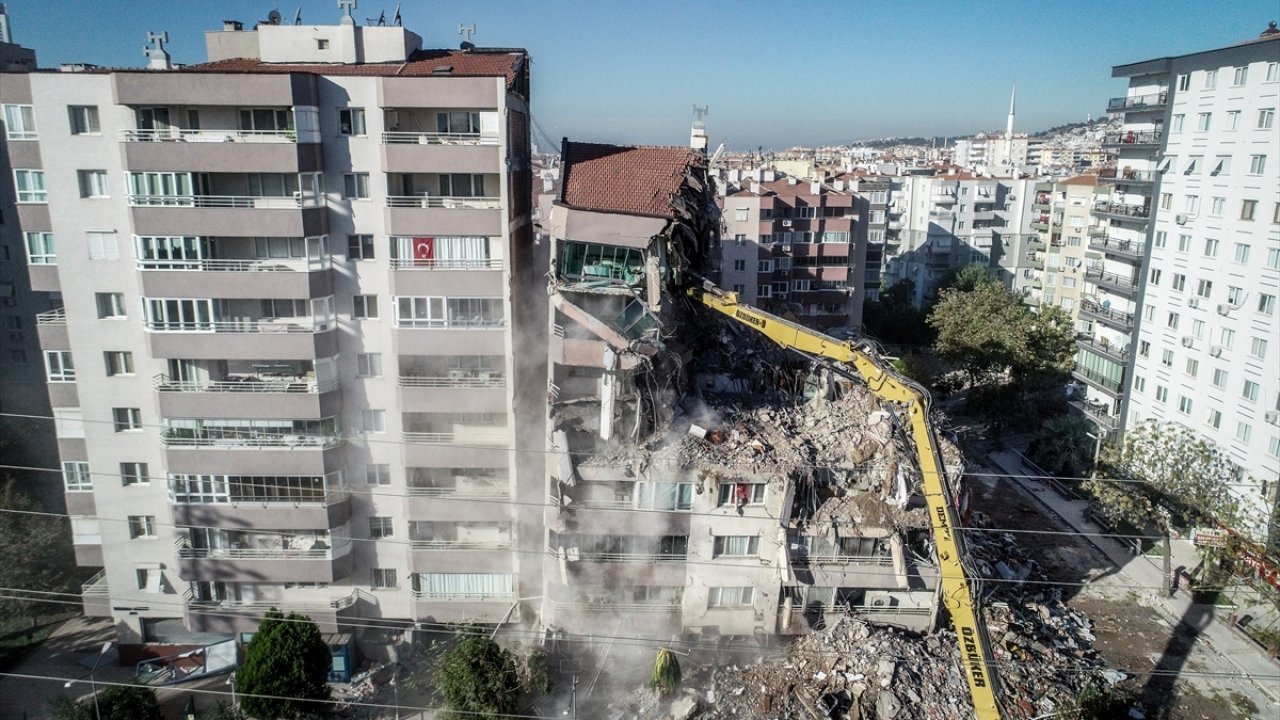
[(626, 179)]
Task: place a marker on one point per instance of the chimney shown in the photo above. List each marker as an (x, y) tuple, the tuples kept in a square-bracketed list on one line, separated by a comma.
[(768, 176), (815, 188), (347, 30), (232, 26)]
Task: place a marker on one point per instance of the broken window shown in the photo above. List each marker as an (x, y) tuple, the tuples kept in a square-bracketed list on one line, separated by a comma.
[(590, 261), (634, 320), (742, 494)]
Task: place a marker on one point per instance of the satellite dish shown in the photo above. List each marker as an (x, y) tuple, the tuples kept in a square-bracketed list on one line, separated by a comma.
[(273, 17)]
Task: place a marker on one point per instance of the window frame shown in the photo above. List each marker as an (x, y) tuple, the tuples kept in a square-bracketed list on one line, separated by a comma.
[(84, 120)]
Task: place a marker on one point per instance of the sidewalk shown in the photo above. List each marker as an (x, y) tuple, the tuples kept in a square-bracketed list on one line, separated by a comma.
[(1145, 575)]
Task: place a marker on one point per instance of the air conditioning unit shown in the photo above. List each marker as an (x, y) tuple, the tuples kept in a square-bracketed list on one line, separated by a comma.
[(1188, 341), (1225, 308), (786, 223), (1193, 302), (1216, 351), (1181, 219), (880, 600), (1272, 417)]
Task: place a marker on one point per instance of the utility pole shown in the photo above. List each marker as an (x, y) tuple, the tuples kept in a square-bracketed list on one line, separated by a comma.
[(573, 699)]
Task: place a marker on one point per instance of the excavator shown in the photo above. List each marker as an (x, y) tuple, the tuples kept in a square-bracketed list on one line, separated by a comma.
[(958, 583)]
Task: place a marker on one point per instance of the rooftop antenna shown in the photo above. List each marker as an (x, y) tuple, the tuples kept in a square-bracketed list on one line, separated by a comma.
[(347, 6), (297, 17), (396, 20), (466, 31)]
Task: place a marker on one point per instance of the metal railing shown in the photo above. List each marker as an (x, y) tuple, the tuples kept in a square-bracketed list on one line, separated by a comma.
[(1090, 307), (1098, 413), (506, 597), (56, 316), (487, 380), (341, 603), (239, 265), (162, 383), (298, 326), (875, 560), (252, 202), (441, 264), (247, 441), (96, 585), (1128, 176), (1119, 352), (264, 553), (211, 135), (1138, 102), (1119, 247), (1131, 137), (448, 202), (438, 138), (629, 557), (324, 499), (1122, 210), (460, 544), (1098, 379), (457, 492), (859, 610), (455, 324), (1111, 280), (605, 605), (448, 438)]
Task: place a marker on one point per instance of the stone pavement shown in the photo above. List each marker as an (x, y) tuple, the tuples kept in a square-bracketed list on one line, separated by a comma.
[(1144, 574)]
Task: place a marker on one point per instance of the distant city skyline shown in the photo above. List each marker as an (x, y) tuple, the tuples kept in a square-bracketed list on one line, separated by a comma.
[(812, 73)]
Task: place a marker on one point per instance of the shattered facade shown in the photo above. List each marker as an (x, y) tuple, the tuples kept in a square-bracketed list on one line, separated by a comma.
[(702, 481)]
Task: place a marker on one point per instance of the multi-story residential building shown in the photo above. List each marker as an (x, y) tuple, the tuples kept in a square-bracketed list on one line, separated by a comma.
[(1196, 194), (1063, 219), (286, 367), (797, 247)]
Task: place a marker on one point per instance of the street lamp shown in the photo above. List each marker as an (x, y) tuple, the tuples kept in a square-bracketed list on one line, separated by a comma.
[(93, 683)]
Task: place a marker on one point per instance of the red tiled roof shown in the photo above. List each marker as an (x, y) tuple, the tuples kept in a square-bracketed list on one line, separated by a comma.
[(633, 180), (1081, 180), (422, 63)]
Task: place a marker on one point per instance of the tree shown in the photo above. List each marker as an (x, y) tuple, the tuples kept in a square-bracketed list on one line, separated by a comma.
[(288, 661), (894, 320), (116, 702), (1062, 446), (477, 678), (35, 551), (1167, 476), (666, 673), (980, 329)]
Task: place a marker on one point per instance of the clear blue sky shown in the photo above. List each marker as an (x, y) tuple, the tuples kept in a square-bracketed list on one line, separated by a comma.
[(774, 73)]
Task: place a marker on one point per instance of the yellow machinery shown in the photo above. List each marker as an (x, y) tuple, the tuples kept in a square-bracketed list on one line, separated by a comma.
[(957, 593)]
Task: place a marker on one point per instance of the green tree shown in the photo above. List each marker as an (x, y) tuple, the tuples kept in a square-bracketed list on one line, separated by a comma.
[(476, 678), (35, 551), (894, 320), (1063, 447), (115, 702), (288, 661), (665, 677), (1167, 476)]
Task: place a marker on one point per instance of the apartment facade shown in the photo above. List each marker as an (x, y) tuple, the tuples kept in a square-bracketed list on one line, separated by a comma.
[(1202, 181), (1065, 226), (284, 373)]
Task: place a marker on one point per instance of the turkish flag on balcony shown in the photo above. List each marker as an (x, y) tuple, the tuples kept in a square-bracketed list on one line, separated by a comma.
[(424, 250)]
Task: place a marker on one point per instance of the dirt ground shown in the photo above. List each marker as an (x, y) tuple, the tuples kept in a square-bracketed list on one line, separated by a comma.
[(1131, 636)]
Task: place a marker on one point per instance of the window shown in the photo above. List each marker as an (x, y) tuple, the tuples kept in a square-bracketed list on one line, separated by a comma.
[(662, 496), (1220, 378), (355, 186), (1233, 119), (1257, 164), (739, 265), (801, 285), (1221, 165), (1166, 358), (458, 122), (110, 305), (1273, 72), (383, 579), (1215, 419), (364, 307), (1139, 383), (351, 121), (1144, 347), (731, 596), (764, 266), (1243, 432), (1204, 288), (40, 248), (322, 43), (102, 245), (134, 473), (1184, 243), (1250, 391), (1210, 247), (1227, 338), (1184, 83), (1162, 394), (1184, 404), (1266, 304), (1235, 295), (1247, 209), (1210, 79), (1266, 118), (1192, 164), (19, 122), (59, 366), (30, 184), (1193, 367), (359, 247), (1240, 76), (1179, 282), (1273, 258), (118, 362), (84, 119), (741, 214), (142, 526), (1258, 348), (1175, 123), (741, 239), (1149, 312), (739, 289), (377, 474), (380, 527), (1203, 120), (75, 476), (1161, 238), (741, 494), (93, 183), (373, 421), (1197, 329), (369, 365), (126, 419), (736, 546)]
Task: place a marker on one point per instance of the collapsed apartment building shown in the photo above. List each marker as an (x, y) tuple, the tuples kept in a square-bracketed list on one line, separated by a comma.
[(703, 481)]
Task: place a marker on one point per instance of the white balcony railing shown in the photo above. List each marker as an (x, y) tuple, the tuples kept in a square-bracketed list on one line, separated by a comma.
[(96, 585), (238, 265), (274, 551), (297, 326), (303, 606), (440, 264), (506, 597), (208, 136), (461, 490), (56, 316), (444, 201), (461, 544), (247, 385), (438, 138), (251, 202), (249, 441), (470, 438), (481, 380)]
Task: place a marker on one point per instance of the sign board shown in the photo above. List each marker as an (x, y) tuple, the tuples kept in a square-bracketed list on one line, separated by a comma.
[(1208, 537)]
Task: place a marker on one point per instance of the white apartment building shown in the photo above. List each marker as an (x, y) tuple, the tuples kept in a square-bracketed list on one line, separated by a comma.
[(284, 370), (1056, 272)]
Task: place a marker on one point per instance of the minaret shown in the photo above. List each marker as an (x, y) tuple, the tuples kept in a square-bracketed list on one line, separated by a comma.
[(1008, 129)]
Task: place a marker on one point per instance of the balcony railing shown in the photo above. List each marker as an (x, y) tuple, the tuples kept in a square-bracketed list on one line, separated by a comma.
[(56, 316), (459, 491), (1122, 210), (275, 551), (1128, 248), (303, 606), (210, 136), (629, 557), (247, 325), (1123, 176), (1111, 280), (1122, 319), (608, 605), (96, 585), (285, 496), (439, 264), (1137, 102), (859, 610), (1115, 352), (242, 441), (461, 544), (244, 385), (1132, 137), (1096, 378), (469, 438), (809, 560), (1098, 413), (251, 202), (481, 380), (438, 138), (506, 597), (238, 265), (444, 201)]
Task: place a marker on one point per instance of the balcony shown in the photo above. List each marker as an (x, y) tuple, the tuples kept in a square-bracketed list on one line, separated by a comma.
[(1126, 249), (1122, 211), (1117, 353), (51, 327), (239, 329), (1097, 380), (229, 616), (1040, 223), (457, 428), (248, 441), (316, 556), (329, 507), (95, 596), (1035, 260), (1122, 321), (464, 607), (943, 198), (450, 546), (1098, 413), (442, 152), (1137, 103), (1132, 138), (1125, 285), (227, 204), (1127, 176), (281, 267), (217, 150)]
